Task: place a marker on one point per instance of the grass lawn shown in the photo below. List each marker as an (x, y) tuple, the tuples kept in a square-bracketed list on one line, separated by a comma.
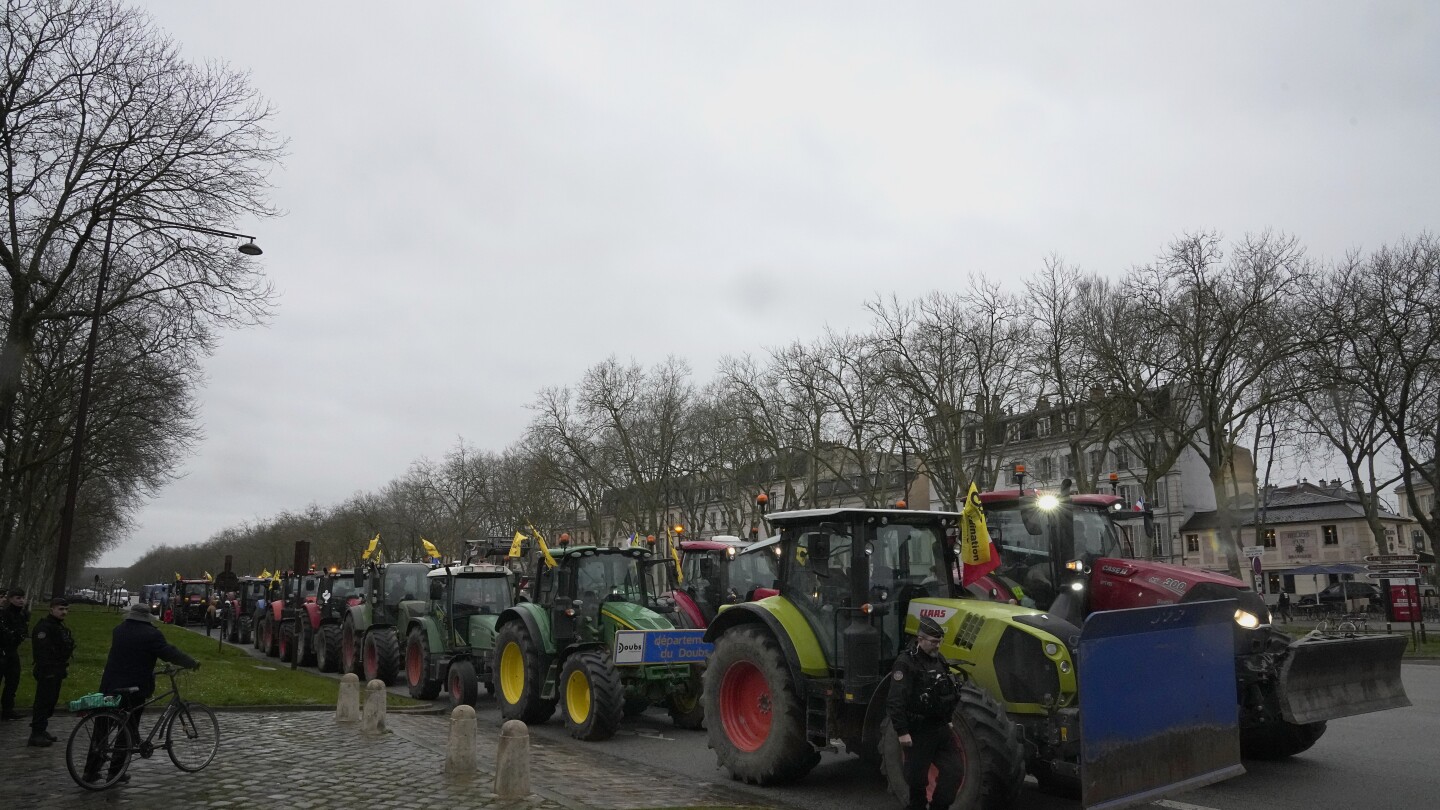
[(227, 676)]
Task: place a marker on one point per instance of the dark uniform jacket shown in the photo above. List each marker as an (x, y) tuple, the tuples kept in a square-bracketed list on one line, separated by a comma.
[(52, 646), (913, 671), (134, 648), (13, 628)]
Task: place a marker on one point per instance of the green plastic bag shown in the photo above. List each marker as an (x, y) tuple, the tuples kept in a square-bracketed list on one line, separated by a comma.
[(94, 700)]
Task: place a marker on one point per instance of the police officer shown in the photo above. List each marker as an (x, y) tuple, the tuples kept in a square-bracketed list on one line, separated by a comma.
[(52, 645), (14, 628), (921, 701)]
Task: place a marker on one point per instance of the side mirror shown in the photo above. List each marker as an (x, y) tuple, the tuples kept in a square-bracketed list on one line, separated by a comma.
[(1032, 517), (359, 578), (820, 547), (437, 590), (1149, 524)]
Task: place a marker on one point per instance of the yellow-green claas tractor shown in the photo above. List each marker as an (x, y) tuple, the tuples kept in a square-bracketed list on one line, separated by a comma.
[(589, 635), (807, 670)]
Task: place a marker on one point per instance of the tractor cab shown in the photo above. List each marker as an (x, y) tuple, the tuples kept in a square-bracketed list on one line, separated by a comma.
[(1048, 543), (461, 594), (386, 587), (587, 581), (718, 572), (852, 574), (337, 592)]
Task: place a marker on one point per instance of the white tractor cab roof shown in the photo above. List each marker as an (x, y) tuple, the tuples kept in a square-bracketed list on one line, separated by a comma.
[(472, 569)]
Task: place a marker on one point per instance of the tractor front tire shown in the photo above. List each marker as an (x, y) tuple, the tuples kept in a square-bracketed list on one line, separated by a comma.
[(306, 647), (287, 641), (687, 704), (350, 649), (382, 655), (246, 634), (594, 696), (327, 649), (417, 667), (990, 750), (518, 669), (757, 717), (462, 684)]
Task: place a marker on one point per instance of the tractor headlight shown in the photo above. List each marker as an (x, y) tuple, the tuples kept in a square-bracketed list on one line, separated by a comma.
[(1047, 502), (1246, 619)]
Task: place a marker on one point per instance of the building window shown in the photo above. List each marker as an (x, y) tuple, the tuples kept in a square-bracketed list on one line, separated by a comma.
[(1126, 493), (1192, 543), (1332, 535), (1042, 427), (1097, 459), (1046, 468), (1268, 539), (1122, 458), (1418, 538), (970, 439), (1067, 422), (1012, 432), (1067, 466)]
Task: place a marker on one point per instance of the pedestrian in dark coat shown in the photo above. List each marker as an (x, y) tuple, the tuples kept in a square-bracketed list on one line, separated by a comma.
[(135, 645), (920, 707), (52, 645), (14, 629)]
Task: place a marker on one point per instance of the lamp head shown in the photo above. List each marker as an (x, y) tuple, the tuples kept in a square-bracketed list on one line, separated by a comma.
[(250, 248)]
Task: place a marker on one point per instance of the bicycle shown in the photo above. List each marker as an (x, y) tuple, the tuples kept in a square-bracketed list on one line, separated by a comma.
[(102, 747)]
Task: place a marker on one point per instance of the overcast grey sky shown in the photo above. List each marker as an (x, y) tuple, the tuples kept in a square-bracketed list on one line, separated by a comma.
[(488, 198)]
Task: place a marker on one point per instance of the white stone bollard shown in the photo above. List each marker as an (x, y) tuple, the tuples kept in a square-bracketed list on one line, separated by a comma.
[(373, 718), (512, 761), (460, 753), (347, 705)]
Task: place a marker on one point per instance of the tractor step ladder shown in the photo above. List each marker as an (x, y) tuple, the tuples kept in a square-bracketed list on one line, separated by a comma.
[(817, 726)]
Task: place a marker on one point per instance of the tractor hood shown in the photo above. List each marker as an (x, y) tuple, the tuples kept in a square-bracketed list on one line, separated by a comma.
[(480, 631), (630, 616), (1119, 583)]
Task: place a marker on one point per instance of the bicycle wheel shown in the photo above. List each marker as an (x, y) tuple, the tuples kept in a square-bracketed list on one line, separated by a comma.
[(192, 736), (99, 740)]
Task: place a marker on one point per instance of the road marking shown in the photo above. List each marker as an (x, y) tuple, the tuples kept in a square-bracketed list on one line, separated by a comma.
[(1174, 805)]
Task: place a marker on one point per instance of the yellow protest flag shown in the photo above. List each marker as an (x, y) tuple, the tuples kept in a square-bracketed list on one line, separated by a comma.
[(209, 577), (370, 549), (544, 549), (675, 555), (974, 534), (430, 549), (264, 573), (515, 544)]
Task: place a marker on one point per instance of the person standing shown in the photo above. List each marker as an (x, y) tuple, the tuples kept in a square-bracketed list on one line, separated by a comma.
[(135, 645), (920, 705), (52, 645), (14, 628), (1282, 606)]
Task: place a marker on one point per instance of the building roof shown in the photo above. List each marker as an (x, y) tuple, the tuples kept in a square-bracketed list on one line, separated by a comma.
[(1302, 503)]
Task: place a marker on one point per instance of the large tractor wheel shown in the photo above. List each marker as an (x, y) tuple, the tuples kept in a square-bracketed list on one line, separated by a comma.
[(461, 683), (287, 641), (417, 667), (246, 636), (306, 646), (519, 669), (382, 655), (990, 750), (327, 648), (757, 719), (594, 696), (687, 709), (350, 648), (272, 637)]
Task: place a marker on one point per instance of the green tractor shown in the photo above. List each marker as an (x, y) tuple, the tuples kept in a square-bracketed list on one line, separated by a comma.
[(806, 670), (589, 634), (450, 645), (391, 595)]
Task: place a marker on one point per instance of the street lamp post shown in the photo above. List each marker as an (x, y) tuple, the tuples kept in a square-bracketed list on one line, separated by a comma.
[(87, 375)]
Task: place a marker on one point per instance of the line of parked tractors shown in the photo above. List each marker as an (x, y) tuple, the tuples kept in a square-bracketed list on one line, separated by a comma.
[(812, 620)]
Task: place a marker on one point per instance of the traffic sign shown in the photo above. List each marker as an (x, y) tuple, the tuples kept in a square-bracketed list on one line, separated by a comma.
[(1390, 567), (1392, 558), (1411, 574), (1254, 551)]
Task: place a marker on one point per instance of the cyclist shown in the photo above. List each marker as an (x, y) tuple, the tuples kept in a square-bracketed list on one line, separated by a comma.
[(135, 645)]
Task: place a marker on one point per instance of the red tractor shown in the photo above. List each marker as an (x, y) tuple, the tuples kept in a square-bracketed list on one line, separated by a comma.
[(238, 613), (189, 601), (1063, 553), (718, 571)]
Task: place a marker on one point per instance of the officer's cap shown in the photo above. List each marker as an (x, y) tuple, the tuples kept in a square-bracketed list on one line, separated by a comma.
[(931, 628)]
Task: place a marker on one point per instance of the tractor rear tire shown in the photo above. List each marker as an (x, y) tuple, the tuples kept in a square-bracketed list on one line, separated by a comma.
[(306, 646), (687, 706), (382, 655), (461, 683), (518, 668), (271, 637), (327, 649), (757, 717), (287, 641), (246, 634), (350, 649), (990, 747), (417, 667), (594, 696), (1278, 739)]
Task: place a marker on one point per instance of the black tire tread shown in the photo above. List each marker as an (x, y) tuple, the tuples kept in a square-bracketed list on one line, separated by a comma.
[(786, 755), (607, 696), (388, 659), (994, 740), (532, 708)]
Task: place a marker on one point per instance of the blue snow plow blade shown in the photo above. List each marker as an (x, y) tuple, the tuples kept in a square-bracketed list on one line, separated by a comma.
[(1158, 712)]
